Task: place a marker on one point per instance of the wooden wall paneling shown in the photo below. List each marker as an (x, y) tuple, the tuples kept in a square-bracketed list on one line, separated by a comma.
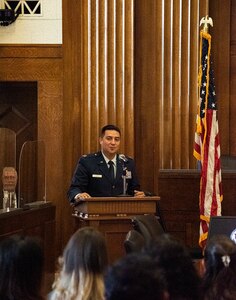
[(165, 113), (220, 13), (94, 21), (148, 86), (102, 58), (167, 107), (30, 51), (50, 131), (42, 64), (85, 98), (179, 38), (98, 78), (184, 107), (119, 61), (50, 116), (232, 112), (128, 106), (98, 52), (8, 148), (29, 69), (124, 115), (72, 109), (158, 154), (195, 11), (19, 111), (111, 66)]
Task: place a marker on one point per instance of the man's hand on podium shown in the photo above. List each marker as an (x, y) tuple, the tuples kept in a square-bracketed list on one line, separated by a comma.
[(139, 193), (82, 196)]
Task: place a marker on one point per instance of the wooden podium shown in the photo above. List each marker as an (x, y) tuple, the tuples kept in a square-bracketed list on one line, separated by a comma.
[(112, 216)]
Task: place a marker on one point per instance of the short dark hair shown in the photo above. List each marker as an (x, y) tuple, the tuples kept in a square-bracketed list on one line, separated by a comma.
[(134, 277), (21, 265), (109, 127), (173, 258)]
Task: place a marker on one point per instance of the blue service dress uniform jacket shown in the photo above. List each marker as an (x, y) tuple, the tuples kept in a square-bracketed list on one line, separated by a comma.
[(92, 176)]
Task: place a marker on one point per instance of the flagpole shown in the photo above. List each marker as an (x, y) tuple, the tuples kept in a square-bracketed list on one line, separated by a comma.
[(207, 143)]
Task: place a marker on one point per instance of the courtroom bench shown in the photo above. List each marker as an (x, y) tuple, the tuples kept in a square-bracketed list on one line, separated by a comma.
[(38, 222)]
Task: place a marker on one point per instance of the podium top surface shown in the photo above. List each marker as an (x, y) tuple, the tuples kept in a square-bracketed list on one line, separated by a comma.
[(121, 198), (98, 206)]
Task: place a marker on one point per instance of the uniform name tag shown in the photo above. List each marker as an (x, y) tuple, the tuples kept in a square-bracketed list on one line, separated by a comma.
[(128, 174), (97, 175)]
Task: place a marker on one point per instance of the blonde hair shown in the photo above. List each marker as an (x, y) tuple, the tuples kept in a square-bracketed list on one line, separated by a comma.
[(89, 287), (81, 275)]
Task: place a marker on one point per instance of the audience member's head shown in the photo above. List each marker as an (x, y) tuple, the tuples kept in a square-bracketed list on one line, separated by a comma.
[(134, 277), (219, 280), (175, 262), (82, 267), (21, 268)]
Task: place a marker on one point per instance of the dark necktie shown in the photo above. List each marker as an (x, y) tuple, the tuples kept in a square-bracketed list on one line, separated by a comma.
[(111, 171)]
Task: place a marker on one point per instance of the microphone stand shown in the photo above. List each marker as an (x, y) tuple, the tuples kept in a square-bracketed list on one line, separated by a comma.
[(124, 168), (124, 180)]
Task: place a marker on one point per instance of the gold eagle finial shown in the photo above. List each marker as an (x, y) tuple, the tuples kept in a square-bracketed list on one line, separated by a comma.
[(205, 21)]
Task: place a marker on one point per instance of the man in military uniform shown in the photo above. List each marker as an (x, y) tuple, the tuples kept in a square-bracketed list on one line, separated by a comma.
[(102, 174)]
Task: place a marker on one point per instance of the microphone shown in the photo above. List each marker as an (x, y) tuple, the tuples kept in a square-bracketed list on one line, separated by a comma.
[(123, 157)]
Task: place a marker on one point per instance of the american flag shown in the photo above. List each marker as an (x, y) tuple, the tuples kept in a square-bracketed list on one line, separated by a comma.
[(207, 142)]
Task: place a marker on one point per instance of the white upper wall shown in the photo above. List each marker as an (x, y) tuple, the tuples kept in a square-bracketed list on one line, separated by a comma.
[(44, 29)]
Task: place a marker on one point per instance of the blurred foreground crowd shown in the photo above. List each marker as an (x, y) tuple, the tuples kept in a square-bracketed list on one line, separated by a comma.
[(162, 270)]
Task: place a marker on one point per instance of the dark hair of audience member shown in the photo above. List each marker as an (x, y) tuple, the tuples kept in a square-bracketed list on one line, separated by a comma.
[(173, 258), (21, 268), (82, 267), (219, 280), (134, 277)]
